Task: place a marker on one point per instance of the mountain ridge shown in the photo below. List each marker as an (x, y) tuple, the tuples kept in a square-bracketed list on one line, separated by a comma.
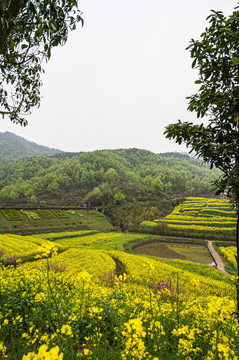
[(13, 146)]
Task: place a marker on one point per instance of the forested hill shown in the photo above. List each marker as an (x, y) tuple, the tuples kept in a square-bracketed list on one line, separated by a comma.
[(131, 184), (15, 147)]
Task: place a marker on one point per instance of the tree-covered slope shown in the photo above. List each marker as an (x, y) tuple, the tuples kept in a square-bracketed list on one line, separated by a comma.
[(16, 147), (131, 184)]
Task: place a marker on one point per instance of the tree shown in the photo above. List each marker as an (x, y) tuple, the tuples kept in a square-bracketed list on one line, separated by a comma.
[(157, 184), (29, 29), (216, 56), (119, 198), (111, 175)]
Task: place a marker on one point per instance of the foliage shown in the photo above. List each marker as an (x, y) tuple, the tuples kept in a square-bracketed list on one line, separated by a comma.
[(11, 214), (132, 195), (45, 214), (13, 147), (28, 32), (59, 213), (185, 175), (216, 58), (217, 143), (32, 221), (30, 214)]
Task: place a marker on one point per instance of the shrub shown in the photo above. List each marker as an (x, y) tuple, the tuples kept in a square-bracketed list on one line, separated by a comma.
[(59, 213), (45, 214), (11, 215)]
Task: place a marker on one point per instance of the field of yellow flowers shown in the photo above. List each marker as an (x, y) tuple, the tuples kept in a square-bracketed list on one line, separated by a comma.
[(198, 217), (62, 297), (229, 253)]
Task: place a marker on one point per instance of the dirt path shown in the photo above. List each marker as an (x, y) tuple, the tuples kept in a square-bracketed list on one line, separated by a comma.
[(120, 270), (217, 258)]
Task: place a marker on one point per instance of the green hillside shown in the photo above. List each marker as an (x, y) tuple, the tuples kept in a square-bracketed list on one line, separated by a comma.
[(16, 147), (132, 185)]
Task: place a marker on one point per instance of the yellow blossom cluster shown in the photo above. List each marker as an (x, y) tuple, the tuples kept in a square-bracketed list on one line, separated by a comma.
[(25, 246), (43, 354), (229, 253), (71, 314)]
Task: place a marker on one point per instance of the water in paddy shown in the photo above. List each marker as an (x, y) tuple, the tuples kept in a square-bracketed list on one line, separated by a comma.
[(181, 251)]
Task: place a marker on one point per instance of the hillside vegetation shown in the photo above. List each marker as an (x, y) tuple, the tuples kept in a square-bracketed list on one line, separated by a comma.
[(15, 147), (33, 221), (133, 185)]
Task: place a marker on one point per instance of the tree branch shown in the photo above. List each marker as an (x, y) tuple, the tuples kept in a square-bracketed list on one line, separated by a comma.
[(13, 111)]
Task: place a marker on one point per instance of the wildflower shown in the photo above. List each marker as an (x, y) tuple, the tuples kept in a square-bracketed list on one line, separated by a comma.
[(43, 354), (66, 330), (84, 276), (3, 350)]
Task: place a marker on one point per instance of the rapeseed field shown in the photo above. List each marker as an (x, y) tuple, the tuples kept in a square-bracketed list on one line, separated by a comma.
[(64, 298), (199, 218), (229, 253)]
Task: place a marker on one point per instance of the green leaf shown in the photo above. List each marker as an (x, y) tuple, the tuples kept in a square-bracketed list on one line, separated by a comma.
[(194, 63), (4, 23), (39, 31), (235, 60)]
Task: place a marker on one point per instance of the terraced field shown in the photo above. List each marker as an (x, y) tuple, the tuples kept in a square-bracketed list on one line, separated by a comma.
[(78, 295), (198, 217)]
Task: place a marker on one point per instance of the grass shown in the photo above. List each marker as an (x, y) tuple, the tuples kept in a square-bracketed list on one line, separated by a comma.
[(31, 221), (95, 240)]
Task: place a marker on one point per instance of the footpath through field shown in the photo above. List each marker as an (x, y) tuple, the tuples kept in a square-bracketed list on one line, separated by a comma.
[(217, 258)]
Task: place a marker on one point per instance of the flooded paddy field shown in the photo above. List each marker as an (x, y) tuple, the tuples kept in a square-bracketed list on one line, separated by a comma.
[(181, 251)]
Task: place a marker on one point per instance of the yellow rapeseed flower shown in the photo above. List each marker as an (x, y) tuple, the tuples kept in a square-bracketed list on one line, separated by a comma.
[(43, 354)]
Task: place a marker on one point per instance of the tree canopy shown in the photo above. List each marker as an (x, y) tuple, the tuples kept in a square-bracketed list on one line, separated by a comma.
[(29, 29), (133, 185), (216, 56)]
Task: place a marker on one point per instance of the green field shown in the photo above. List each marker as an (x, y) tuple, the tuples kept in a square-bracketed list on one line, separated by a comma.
[(95, 240), (201, 218), (33, 221)]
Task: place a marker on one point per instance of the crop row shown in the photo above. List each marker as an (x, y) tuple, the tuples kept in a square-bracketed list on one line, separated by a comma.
[(197, 217), (14, 215), (75, 306), (93, 239)]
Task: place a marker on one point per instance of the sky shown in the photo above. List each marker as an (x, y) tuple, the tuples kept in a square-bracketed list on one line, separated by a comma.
[(122, 78)]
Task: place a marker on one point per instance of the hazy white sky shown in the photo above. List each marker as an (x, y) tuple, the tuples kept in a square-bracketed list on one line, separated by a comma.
[(121, 78)]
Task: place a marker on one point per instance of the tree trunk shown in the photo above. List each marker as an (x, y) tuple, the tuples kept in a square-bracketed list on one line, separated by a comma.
[(237, 258)]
